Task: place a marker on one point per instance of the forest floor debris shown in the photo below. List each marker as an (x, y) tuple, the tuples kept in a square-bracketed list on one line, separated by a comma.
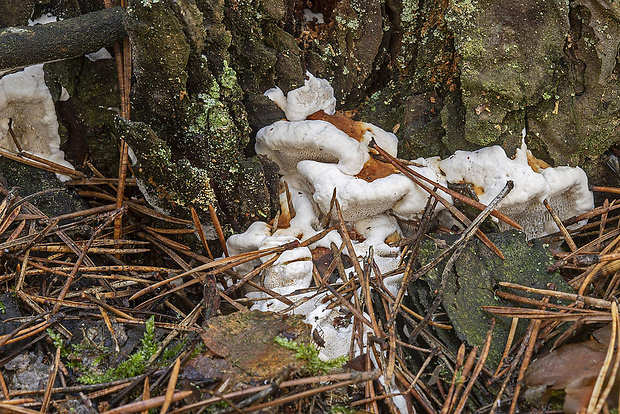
[(85, 304)]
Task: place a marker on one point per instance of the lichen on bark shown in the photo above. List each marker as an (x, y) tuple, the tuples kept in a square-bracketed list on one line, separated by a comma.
[(192, 128), (445, 75)]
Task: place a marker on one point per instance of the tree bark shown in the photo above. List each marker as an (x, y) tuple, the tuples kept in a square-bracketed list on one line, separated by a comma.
[(444, 75)]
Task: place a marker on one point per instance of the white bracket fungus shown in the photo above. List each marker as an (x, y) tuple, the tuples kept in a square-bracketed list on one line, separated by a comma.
[(319, 151), (316, 95), (360, 198), (27, 107), (488, 170), (288, 143)]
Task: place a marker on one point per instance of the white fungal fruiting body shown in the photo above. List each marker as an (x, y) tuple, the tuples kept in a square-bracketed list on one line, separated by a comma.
[(306, 221), (309, 16), (336, 338), (412, 204), (316, 157), (248, 241), (288, 143), (316, 95), (290, 272), (375, 231), (361, 199), (26, 104), (384, 139), (488, 170)]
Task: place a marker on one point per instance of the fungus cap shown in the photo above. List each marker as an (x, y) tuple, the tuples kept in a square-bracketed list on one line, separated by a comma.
[(375, 231), (361, 199), (359, 130), (290, 272), (315, 95), (337, 339), (249, 240), (305, 220), (488, 170), (288, 143), (27, 102)]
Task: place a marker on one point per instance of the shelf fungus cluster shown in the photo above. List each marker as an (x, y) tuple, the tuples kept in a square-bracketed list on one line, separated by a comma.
[(27, 115), (28, 119), (322, 153)]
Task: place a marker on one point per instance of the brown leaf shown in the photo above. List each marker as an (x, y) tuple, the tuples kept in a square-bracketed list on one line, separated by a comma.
[(354, 129), (572, 368), (246, 341), (375, 169)]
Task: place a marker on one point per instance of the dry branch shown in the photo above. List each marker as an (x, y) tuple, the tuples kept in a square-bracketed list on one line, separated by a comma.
[(29, 45)]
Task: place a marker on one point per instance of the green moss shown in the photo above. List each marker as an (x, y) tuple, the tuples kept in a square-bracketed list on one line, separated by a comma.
[(134, 365), (311, 355), (341, 409), (228, 82), (410, 13), (130, 367)]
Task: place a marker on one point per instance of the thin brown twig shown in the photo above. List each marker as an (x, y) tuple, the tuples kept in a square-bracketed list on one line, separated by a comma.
[(79, 260), (599, 303), (469, 364), (41, 166), (409, 172), (172, 383), (50, 382), (200, 231), (351, 376), (615, 337), (529, 350), (477, 370), (148, 404), (558, 221), (218, 229)]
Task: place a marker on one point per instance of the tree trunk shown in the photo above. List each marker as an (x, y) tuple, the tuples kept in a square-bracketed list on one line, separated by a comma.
[(443, 74)]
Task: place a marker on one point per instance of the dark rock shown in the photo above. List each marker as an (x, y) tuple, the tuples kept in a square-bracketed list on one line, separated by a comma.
[(31, 180), (27, 372), (9, 311), (471, 284)]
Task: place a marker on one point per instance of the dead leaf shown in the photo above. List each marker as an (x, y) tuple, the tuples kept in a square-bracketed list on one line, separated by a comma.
[(572, 368), (354, 129), (375, 169), (246, 341), (322, 258)]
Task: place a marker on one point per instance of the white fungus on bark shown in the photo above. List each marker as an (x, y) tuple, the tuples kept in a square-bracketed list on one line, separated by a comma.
[(315, 95), (288, 143), (27, 109), (488, 170), (319, 151), (26, 106)]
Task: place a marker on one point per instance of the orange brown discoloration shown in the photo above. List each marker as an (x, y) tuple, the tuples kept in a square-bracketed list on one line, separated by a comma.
[(375, 169), (536, 164), (354, 129)]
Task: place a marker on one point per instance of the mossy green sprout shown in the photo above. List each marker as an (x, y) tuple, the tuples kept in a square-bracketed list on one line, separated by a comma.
[(341, 409), (131, 367), (311, 354)]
